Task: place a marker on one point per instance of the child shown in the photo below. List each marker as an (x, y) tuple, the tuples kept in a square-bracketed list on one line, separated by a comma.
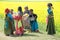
[(33, 21), (27, 21), (50, 25), (18, 18), (12, 12), (26, 10), (9, 26)]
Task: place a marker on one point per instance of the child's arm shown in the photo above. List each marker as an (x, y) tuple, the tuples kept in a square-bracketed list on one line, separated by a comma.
[(35, 16)]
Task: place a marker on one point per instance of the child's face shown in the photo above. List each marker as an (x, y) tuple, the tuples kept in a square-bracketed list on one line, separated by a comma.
[(26, 8), (49, 6), (31, 12)]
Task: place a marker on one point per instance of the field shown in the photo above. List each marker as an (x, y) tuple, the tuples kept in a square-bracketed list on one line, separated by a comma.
[(40, 8)]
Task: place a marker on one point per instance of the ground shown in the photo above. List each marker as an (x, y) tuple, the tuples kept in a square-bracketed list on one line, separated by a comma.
[(40, 8), (29, 36)]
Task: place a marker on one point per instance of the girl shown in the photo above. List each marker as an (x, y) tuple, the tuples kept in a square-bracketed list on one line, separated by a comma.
[(9, 26), (18, 18), (26, 22), (50, 25), (26, 10), (20, 13), (33, 21)]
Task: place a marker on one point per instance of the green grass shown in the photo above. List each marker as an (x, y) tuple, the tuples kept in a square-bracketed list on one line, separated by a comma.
[(1, 25)]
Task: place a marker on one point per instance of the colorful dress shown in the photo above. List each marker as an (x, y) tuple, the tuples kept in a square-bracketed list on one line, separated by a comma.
[(21, 14), (50, 25), (19, 24), (33, 22), (9, 25), (27, 21)]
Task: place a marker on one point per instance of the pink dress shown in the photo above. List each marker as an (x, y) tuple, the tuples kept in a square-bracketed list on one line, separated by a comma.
[(20, 30)]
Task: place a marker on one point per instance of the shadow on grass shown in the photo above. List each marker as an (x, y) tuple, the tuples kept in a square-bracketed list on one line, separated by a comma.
[(25, 35), (32, 34)]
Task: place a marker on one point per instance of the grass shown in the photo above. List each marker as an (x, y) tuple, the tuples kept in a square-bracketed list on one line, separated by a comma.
[(1, 25)]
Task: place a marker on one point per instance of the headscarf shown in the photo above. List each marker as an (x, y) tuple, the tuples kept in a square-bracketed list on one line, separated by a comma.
[(7, 10)]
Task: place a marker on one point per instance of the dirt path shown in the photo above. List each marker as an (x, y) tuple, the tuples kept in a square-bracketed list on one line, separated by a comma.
[(29, 36)]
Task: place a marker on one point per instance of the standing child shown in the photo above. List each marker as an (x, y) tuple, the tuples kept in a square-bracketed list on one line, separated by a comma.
[(8, 27), (33, 21), (12, 12), (19, 24), (26, 10), (20, 13), (26, 22), (50, 25)]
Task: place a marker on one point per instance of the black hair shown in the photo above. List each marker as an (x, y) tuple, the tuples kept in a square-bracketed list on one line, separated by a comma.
[(20, 9), (31, 9), (50, 4)]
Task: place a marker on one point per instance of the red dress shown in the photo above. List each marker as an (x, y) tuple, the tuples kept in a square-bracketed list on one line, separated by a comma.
[(19, 31)]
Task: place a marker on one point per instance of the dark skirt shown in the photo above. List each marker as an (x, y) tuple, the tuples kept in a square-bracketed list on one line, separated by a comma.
[(51, 26)]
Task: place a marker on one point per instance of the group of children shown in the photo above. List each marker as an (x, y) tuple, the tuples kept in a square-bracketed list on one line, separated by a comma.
[(28, 21)]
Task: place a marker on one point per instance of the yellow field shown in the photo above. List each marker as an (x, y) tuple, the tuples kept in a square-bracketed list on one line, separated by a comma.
[(40, 8)]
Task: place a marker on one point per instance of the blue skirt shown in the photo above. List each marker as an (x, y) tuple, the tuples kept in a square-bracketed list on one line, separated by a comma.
[(34, 25)]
